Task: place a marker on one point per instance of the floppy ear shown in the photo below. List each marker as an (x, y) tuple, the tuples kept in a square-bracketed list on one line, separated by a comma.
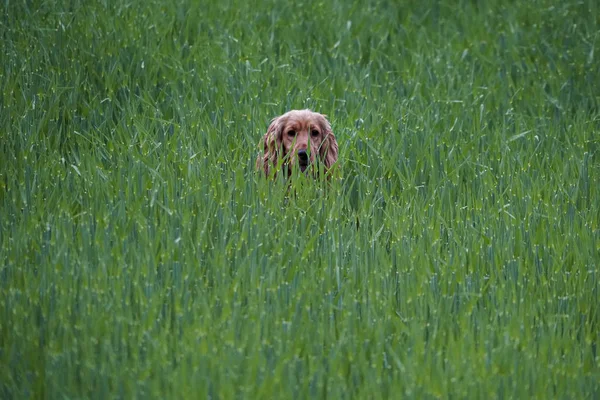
[(271, 145), (329, 148)]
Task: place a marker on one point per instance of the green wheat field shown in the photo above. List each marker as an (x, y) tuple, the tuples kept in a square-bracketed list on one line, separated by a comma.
[(455, 255)]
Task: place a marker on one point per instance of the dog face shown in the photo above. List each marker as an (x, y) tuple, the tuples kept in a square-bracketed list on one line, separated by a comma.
[(300, 138)]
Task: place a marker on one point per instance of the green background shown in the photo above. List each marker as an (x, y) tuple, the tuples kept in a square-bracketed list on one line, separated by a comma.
[(457, 256)]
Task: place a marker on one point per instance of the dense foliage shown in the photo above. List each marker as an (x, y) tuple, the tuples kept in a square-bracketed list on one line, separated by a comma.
[(457, 255)]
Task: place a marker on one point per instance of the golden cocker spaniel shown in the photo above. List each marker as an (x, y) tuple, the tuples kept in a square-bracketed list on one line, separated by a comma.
[(298, 139)]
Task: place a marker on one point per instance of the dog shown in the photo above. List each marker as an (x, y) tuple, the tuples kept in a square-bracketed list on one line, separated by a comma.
[(298, 139)]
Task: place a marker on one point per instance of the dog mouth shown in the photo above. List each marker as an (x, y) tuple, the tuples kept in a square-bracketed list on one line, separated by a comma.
[(303, 160)]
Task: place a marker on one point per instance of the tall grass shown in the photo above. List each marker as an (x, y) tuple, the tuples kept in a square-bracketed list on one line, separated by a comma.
[(457, 256)]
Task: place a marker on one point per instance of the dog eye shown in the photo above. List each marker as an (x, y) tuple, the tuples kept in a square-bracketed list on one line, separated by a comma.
[(291, 133), (315, 132)]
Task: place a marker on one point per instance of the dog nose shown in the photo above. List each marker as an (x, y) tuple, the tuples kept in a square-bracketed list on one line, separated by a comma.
[(302, 156)]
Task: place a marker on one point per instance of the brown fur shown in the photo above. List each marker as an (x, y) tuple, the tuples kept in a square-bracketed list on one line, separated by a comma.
[(294, 131)]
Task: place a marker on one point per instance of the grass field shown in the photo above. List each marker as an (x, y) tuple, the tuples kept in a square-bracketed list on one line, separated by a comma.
[(142, 257)]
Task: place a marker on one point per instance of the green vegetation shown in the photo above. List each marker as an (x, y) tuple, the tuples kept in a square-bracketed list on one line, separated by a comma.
[(142, 257)]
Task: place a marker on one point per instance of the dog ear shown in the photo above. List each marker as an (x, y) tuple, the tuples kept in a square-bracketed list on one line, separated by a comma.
[(272, 146), (329, 148)]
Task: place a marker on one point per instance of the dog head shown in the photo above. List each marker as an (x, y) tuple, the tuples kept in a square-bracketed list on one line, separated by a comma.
[(298, 139)]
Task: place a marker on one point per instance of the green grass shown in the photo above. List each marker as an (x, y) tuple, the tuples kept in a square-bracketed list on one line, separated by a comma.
[(142, 257)]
